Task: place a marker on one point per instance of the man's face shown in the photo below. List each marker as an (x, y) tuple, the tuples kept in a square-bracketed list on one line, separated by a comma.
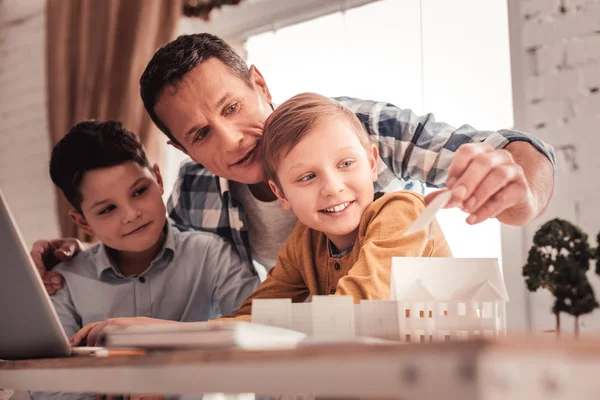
[(218, 119), (327, 180), (122, 206)]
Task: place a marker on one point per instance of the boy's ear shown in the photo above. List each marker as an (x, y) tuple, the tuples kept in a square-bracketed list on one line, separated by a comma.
[(178, 147), (373, 160), (259, 83), (81, 222), (156, 172), (280, 195)]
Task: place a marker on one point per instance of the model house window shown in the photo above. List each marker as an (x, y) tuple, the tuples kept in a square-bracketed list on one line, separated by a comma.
[(443, 309), (462, 309)]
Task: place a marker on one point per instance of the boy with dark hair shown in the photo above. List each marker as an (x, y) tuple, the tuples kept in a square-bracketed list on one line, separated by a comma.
[(143, 266)]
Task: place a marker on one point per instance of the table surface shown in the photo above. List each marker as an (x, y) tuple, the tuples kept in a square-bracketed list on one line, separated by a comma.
[(453, 370)]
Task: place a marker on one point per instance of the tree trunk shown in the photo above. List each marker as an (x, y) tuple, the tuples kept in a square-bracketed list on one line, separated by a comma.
[(577, 327), (557, 324)]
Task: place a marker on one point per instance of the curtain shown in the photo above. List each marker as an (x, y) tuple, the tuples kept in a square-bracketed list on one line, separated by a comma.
[(96, 53)]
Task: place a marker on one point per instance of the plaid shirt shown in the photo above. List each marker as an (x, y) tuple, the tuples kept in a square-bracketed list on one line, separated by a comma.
[(413, 151)]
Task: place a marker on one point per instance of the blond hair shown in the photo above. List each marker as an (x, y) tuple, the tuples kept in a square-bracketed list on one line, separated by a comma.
[(293, 119)]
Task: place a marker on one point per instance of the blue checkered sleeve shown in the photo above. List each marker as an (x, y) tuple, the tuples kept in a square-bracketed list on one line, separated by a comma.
[(420, 148)]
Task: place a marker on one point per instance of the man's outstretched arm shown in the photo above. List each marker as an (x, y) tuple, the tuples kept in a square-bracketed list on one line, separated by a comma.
[(487, 170)]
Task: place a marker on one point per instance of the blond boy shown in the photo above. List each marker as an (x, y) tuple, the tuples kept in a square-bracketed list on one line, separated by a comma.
[(322, 166)]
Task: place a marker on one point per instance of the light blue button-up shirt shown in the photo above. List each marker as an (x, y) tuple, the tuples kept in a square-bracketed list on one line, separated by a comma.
[(196, 276)]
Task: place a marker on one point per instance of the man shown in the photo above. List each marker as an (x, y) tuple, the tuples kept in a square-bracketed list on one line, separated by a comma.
[(212, 107)]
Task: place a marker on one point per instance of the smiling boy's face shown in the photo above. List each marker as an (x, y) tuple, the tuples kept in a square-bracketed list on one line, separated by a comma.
[(327, 180), (122, 206)]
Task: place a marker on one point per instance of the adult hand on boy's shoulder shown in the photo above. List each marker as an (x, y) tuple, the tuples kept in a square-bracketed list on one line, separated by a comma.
[(89, 333), (47, 253)]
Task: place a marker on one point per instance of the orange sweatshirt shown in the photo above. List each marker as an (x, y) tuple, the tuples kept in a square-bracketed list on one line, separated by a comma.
[(305, 267)]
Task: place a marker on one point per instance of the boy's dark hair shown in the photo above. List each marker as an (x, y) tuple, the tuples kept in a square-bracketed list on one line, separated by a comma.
[(91, 145), (173, 61)]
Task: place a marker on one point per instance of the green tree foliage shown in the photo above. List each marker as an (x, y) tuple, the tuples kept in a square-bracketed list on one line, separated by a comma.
[(558, 262), (556, 244)]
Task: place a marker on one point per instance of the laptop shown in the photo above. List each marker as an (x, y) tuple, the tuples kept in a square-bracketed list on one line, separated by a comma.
[(29, 326)]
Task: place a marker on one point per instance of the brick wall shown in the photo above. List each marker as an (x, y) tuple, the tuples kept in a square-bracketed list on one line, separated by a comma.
[(24, 141), (556, 73)]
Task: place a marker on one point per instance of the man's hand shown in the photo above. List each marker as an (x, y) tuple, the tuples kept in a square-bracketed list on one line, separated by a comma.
[(47, 253), (512, 184), (89, 333)]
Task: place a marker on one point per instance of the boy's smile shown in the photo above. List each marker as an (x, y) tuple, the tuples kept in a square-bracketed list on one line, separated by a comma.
[(327, 180), (337, 209), (139, 229)]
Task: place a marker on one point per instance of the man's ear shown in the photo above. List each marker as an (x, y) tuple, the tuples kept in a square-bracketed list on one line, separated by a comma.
[(280, 195), (258, 81), (373, 161), (178, 147), (81, 222), (156, 172)]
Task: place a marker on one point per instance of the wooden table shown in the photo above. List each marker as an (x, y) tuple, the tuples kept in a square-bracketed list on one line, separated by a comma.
[(523, 368)]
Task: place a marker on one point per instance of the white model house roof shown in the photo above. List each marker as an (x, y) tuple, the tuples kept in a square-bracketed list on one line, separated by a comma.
[(447, 278), (417, 293)]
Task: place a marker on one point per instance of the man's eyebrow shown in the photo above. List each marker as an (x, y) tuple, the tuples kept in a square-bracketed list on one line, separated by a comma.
[(193, 129), (223, 99), (219, 104)]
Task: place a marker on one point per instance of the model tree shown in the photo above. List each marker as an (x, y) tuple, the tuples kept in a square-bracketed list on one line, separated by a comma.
[(558, 262), (574, 295)]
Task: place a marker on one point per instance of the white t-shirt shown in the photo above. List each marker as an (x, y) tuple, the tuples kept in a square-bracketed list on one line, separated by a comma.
[(269, 225)]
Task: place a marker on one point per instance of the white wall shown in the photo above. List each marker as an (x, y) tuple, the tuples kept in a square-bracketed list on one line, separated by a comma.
[(556, 76), (24, 137)]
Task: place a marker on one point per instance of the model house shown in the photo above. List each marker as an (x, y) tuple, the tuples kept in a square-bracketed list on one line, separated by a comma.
[(431, 299)]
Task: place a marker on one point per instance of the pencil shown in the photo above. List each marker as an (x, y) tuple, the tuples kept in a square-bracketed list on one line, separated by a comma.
[(119, 352)]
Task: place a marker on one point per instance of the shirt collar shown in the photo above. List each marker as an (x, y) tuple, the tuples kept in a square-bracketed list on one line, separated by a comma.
[(104, 261), (223, 186), (333, 254)]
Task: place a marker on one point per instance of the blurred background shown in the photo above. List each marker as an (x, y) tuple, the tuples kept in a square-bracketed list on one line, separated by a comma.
[(532, 65)]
